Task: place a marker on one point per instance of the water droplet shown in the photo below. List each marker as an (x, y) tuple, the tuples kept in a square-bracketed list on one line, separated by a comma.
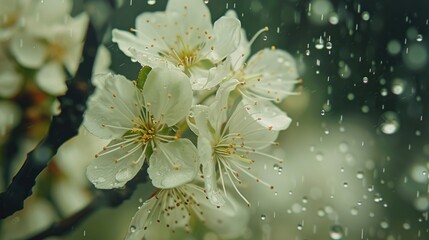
[(354, 211), (398, 86), (307, 52), (406, 226), (123, 175), (206, 1), (378, 198), (365, 16), (133, 228), (299, 227), (276, 167), (344, 70), (333, 19), (265, 38), (319, 43), (336, 232), (344, 147), (319, 156), (328, 45), (263, 217), (383, 92), (419, 38), (359, 175), (99, 180), (280, 170), (322, 112), (346, 184), (151, 2), (390, 123), (394, 47), (365, 79), (384, 224)]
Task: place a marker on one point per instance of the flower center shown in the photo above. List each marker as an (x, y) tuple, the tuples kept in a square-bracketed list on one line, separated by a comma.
[(8, 20), (147, 133), (56, 51)]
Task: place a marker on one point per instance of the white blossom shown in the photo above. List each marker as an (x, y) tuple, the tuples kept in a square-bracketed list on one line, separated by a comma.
[(226, 143), (174, 209), (12, 16), (49, 41), (183, 37), (139, 121), (268, 76)]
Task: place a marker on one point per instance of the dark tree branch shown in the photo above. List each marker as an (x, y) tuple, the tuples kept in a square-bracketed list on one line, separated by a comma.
[(63, 127)]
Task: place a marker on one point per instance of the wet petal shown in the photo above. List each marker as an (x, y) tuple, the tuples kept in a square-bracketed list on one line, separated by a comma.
[(239, 56), (227, 32), (168, 95), (116, 165), (267, 114), (173, 164), (205, 153), (190, 12), (254, 134), (278, 73), (114, 108), (126, 40), (218, 112)]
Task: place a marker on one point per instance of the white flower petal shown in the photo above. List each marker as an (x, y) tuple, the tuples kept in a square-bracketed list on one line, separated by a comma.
[(278, 74), (156, 31), (239, 56), (72, 39), (227, 32), (255, 134), (218, 113), (190, 13), (148, 58), (209, 78), (51, 78), (173, 164), (267, 114), (102, 62), (126, 40), (137, 230), (114, 103), (115, 165), (205, 153), (151, 221), (198, 120), (28, 51), (168, 95), (10, 82)]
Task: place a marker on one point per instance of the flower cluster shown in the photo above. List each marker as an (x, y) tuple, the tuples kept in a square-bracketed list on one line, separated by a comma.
[(200, 113), (40, 47)]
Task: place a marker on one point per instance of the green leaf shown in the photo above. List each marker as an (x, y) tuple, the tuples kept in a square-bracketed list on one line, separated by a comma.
[(141, 79)]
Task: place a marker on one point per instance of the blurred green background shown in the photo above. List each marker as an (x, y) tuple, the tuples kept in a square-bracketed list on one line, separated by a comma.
[(357, 152)]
